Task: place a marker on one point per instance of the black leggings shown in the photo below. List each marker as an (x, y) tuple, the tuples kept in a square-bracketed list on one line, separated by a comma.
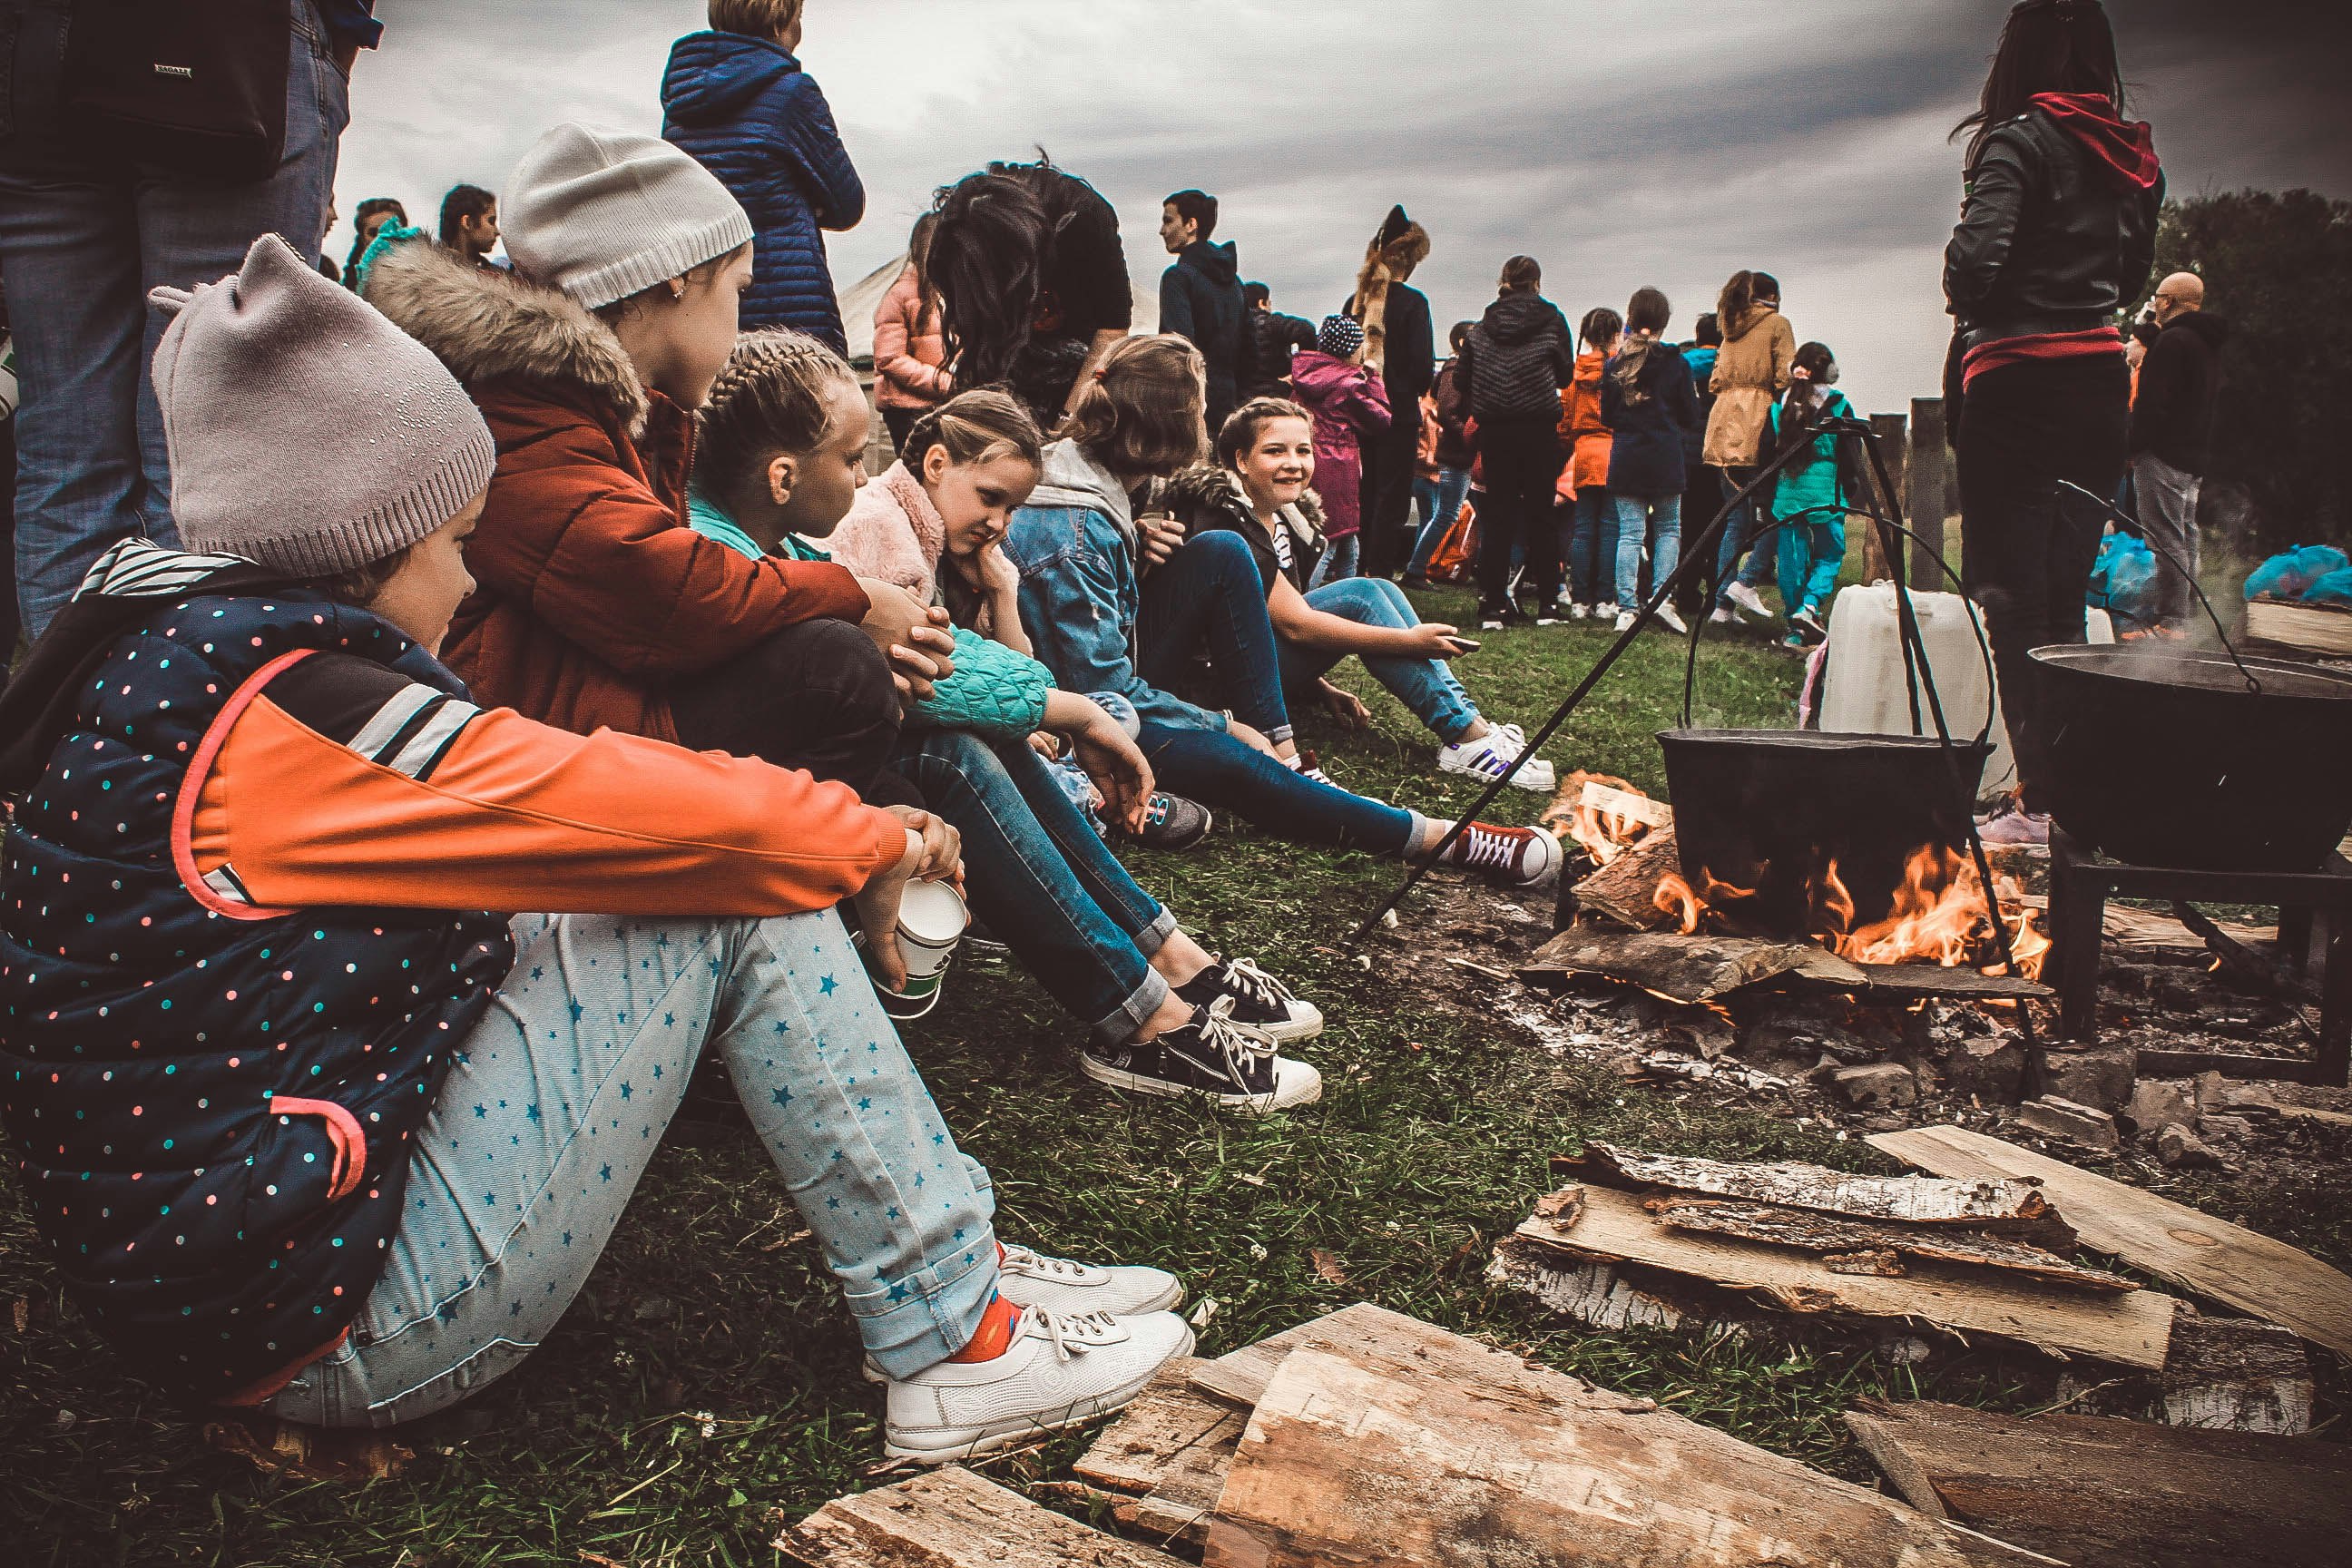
[(816, 696), (2027, 547), (1522, 460)]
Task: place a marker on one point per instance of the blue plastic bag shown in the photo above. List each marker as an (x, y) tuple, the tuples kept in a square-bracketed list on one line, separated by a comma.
[(2336, 588), (2289, 574), (2122, 581)]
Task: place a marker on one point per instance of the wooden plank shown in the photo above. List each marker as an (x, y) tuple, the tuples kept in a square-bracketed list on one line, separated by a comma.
[(2207, 1257), (2008, 1208), (953, 1518), (1830, 1234), (1929, 983), (2232, 1374), (2157, 1062), (2103, 1493), (2130, 1330), (1451, 1453), (1241, 1377), (1167, 1455)]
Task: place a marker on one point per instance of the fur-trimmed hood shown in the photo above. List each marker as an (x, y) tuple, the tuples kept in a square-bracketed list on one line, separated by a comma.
[(486, 325), (1207, 489)]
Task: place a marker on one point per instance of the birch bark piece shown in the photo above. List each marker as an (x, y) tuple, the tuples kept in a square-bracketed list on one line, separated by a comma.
[(1813, 1232)]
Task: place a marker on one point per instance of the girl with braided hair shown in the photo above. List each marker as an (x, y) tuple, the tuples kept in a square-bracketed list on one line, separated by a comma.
[(777, 470)]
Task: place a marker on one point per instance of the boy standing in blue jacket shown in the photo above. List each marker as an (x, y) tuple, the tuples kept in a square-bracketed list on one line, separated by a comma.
[(737, 100)]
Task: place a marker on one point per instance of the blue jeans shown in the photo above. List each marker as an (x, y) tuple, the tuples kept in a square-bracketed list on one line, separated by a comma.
[(1042, 880), (1216, 770), (1440, 501), (1209, 597), (1811, 554), (1658, 520), (1337, 562), (1745, 531), (1424, 685), (552, 1109), (80, 250), (1592, 541)]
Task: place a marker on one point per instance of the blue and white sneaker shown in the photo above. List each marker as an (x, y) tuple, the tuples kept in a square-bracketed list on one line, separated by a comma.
[(1485, 758)]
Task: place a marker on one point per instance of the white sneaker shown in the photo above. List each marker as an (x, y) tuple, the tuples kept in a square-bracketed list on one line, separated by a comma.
[(1672, 621), (1491, 754), (1746, 598), (1064, 1286), (1625, 619), (1605, 611), (1580, 612), (1059, 1372), (1721, 617)]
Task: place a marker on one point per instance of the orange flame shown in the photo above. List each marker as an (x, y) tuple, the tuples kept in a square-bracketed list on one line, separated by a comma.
[(1675, 898), (1603, 834), (1940, 916)]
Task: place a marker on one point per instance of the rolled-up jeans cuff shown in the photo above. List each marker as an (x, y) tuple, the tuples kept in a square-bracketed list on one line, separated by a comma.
[(923, 1318), (1154, 937), (1279, 735), (1128, 1022)]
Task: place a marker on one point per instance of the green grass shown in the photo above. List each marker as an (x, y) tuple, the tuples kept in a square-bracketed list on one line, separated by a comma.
[(1431, 1142)]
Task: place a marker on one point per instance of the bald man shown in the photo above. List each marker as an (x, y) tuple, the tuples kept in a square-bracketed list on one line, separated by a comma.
[(2172, 435)]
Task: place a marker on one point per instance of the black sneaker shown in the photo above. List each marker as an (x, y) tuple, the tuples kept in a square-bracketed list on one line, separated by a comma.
[(1212, 1057), (1260, 1000), (1171, 822), (1495, 618)]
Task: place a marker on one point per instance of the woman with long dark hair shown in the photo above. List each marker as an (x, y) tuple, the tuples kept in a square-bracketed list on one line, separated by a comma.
[(1032, 282), (2057, 234)]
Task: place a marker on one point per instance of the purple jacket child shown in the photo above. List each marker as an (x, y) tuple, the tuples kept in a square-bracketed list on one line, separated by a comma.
[(1348, 402)]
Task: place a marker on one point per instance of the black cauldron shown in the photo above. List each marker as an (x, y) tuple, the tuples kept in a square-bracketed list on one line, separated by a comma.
[(1771, 809), (2163, 756)]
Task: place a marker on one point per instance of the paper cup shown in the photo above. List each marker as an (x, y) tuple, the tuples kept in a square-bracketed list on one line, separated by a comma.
[(931, 920)]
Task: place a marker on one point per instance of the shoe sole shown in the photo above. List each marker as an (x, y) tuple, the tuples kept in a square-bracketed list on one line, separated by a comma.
[(1259, 1104), (994, 1436), (1297, 1032)]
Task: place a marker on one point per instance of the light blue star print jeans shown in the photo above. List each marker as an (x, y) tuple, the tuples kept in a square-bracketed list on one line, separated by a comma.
[(553, 1109)]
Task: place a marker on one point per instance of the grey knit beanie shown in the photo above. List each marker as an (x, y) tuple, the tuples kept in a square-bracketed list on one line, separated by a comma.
[(305, 431), (603, 215)]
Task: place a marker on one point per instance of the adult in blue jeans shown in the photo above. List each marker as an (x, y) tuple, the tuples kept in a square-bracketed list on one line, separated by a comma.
[(1256, 495), (87, 236), (1077, 547), (1651, 410)]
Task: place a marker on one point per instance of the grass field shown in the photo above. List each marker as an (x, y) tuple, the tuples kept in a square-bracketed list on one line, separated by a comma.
[(704, 1389)]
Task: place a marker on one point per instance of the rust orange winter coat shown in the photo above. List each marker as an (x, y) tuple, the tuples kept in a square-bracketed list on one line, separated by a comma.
[(593, 593), (1586, 438)]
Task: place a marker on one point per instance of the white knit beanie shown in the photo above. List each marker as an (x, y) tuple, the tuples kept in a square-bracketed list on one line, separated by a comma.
[(305, 431), (603, 215)]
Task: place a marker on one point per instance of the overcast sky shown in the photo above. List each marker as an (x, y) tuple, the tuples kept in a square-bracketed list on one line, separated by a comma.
[(1620, 141)]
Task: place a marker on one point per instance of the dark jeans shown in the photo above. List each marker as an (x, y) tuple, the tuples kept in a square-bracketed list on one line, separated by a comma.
[(1042, 880), (1216, 770), (1523, 460), (899, 421), (2027, 547), (1391, 463), (1208, 598), (815, 696)]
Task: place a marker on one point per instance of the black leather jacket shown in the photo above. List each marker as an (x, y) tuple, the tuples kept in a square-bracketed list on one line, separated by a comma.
[(2049, 239)]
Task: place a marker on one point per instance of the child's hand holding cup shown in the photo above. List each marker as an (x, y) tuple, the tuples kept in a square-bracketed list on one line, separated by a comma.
[(910, 917)]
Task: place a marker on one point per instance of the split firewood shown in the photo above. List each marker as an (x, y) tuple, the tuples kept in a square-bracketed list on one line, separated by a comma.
[(2006, 1207), (1826, 1233), (953, 1518), (2131, 1328), (1585, 1290), (1626, 889), (1421, 1447), (1166, 1457), (2227, 1374), (2102, 1493), (1884, 1262), (1688, 969), (2200, 1254)]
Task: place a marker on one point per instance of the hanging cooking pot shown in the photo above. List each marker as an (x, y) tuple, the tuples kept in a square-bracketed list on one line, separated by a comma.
[(2170, 756)]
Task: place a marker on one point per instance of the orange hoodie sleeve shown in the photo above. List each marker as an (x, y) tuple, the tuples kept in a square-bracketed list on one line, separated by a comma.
[(337, 781)]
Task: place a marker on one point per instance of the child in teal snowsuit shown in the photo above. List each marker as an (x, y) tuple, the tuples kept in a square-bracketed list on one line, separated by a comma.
[(1813, 493)]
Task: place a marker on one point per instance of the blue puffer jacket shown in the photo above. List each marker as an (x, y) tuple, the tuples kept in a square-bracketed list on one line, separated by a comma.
[(212, 1102), (746, 110)]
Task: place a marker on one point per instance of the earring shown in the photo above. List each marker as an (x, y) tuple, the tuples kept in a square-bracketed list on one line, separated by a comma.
[(677, 290)]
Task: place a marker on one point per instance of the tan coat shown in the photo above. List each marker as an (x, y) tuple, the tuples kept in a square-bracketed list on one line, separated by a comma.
[(1750, 374)]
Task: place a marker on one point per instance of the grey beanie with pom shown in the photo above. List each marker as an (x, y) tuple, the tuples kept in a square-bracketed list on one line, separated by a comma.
[(305, 431), (603, 215)]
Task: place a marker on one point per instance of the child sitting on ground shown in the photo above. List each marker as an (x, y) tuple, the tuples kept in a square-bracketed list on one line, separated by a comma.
[(787, 409), (1346, 403), (300, 1124), (1810, 498), (1076, 545)]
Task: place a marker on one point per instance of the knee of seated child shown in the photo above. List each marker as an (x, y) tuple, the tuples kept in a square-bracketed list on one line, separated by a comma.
[(1227, 551), (833, 656)]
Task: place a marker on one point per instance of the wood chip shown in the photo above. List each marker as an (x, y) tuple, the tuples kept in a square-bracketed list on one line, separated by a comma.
[(1827, 1233), (2131, 1330), (2103, 1493), (2204, 1256), (1167, 1455), (1419, 1446), (954, 1518)]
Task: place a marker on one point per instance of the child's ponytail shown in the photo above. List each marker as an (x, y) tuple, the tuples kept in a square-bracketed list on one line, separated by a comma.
[(973, 426)]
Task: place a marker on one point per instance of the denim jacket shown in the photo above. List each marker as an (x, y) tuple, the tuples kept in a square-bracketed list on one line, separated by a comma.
[(1073, 545)]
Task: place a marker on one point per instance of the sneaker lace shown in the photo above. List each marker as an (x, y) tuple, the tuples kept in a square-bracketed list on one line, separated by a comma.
[(1483, 846), (1156, 810), (1236, 1044), (1073, 1332), (1255, 984), (1027, 1260)]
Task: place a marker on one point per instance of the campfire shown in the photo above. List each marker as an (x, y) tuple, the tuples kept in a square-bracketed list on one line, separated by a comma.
[(1939, 913)]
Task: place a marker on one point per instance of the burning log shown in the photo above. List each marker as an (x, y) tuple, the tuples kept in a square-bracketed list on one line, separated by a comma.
[(1626, 889)]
